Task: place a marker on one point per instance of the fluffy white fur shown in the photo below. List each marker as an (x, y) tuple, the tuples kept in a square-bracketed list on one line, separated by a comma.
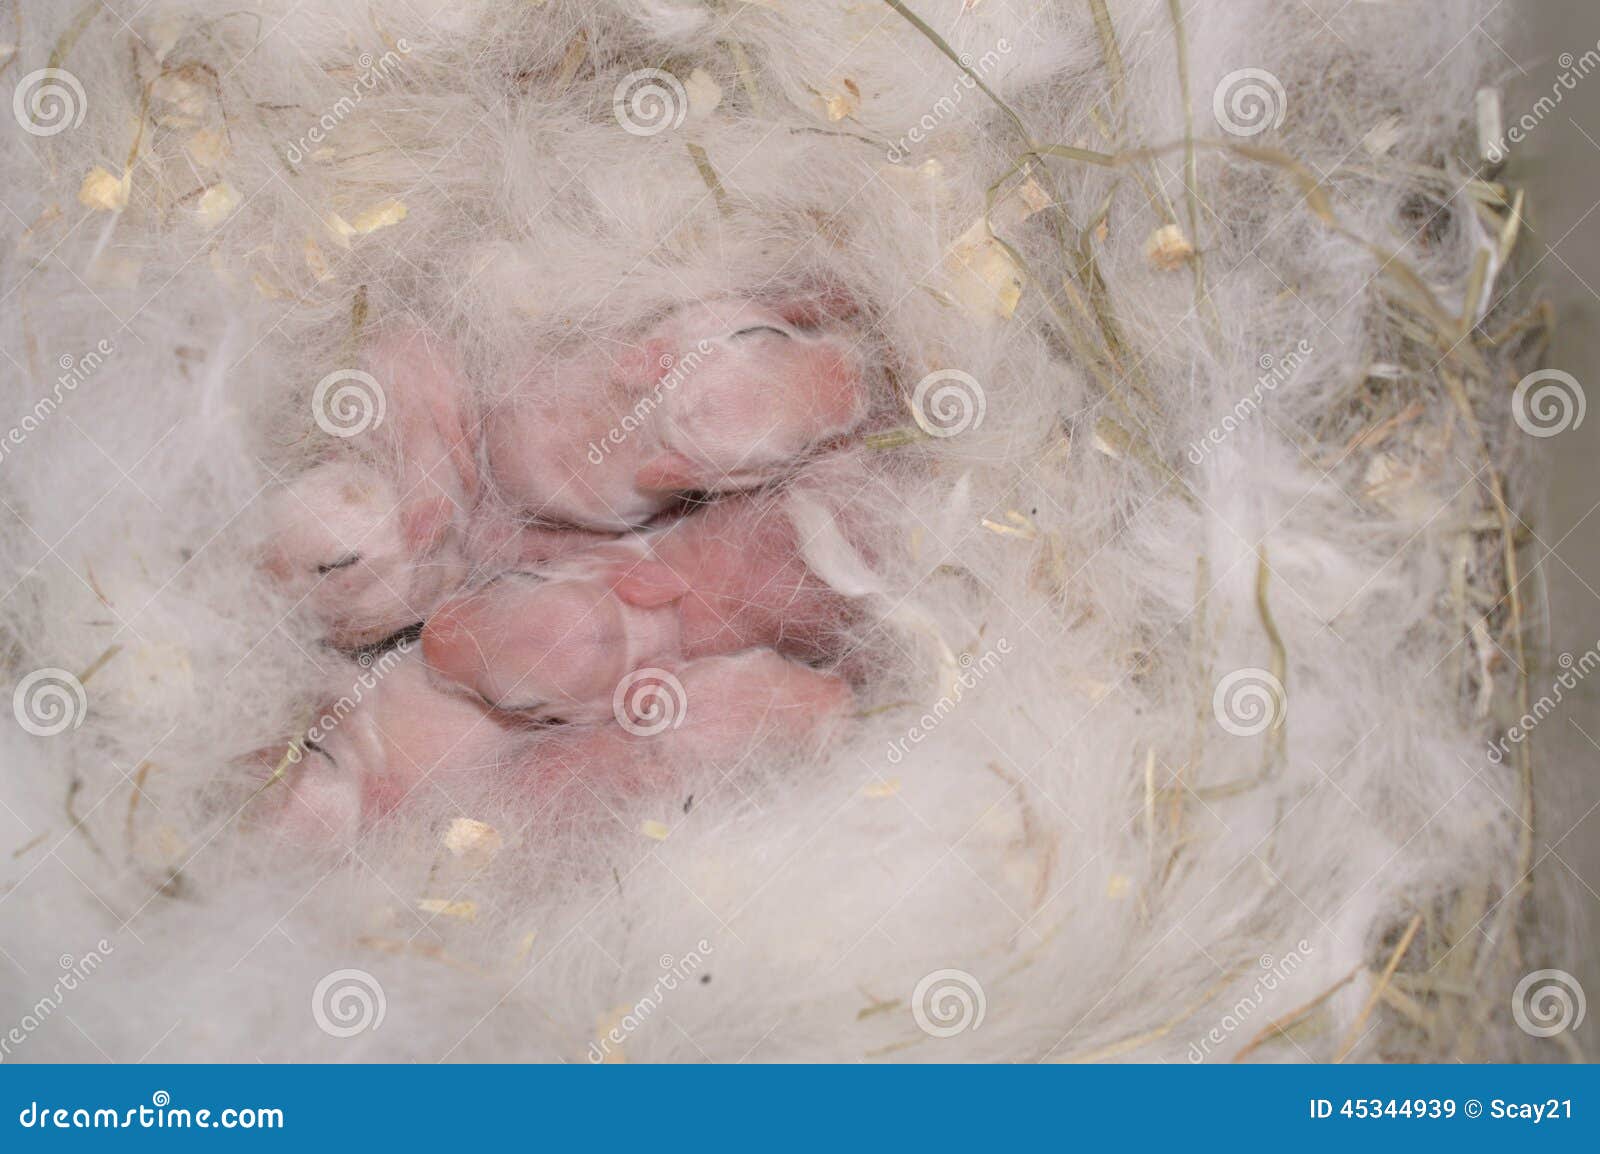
[(1032, 839)]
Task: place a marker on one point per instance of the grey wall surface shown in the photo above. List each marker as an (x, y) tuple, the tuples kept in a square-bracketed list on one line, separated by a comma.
[(1560, 165)]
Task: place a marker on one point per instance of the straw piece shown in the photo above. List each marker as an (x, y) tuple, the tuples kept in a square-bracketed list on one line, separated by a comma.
[(1354, 1036), (1281, 1025)]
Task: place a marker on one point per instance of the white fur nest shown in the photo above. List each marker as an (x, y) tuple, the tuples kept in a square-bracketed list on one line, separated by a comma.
[(1049, 835)]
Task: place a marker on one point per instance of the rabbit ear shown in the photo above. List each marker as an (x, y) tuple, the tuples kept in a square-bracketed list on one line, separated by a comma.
[(650, 585), (425, 522), (817, 305), (671, 471), (422, 384)]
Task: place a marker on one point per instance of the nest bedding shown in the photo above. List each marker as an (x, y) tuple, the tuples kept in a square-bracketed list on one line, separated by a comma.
[(1098, 455)]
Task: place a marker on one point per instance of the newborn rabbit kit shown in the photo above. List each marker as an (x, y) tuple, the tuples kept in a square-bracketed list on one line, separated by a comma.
[(531, 500)]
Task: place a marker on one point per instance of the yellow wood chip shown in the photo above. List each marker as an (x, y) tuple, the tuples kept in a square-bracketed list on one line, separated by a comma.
[(654, 829), (316, 262), (1110, 438), (704, 93), (217, 204), (466, 911), (1117, 886), (470, 837), (883, 788), (379, 216), (100, 190), (1167, 248), (985, 280), (1016, 524), (1091, 687), (339, 228), (1018, 204), (1382, 137), (842, 104), (207, 147)]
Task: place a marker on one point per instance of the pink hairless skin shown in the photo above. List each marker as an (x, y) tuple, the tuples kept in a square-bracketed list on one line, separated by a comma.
[(534, 610), (408, 736), (372, 545), (556, 643), (372, 541), (362, 762), (717, 398)]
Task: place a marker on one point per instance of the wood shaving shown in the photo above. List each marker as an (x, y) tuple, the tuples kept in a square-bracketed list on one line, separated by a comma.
[(470, 838), (1491, 124), (340, 229), (1020, 202), (986, 281), (208, 147), (704, 93), (316, 262), (843, 105), (104, 192), (217, 204), (381, 215), (1015, 525), (1168, 249)]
